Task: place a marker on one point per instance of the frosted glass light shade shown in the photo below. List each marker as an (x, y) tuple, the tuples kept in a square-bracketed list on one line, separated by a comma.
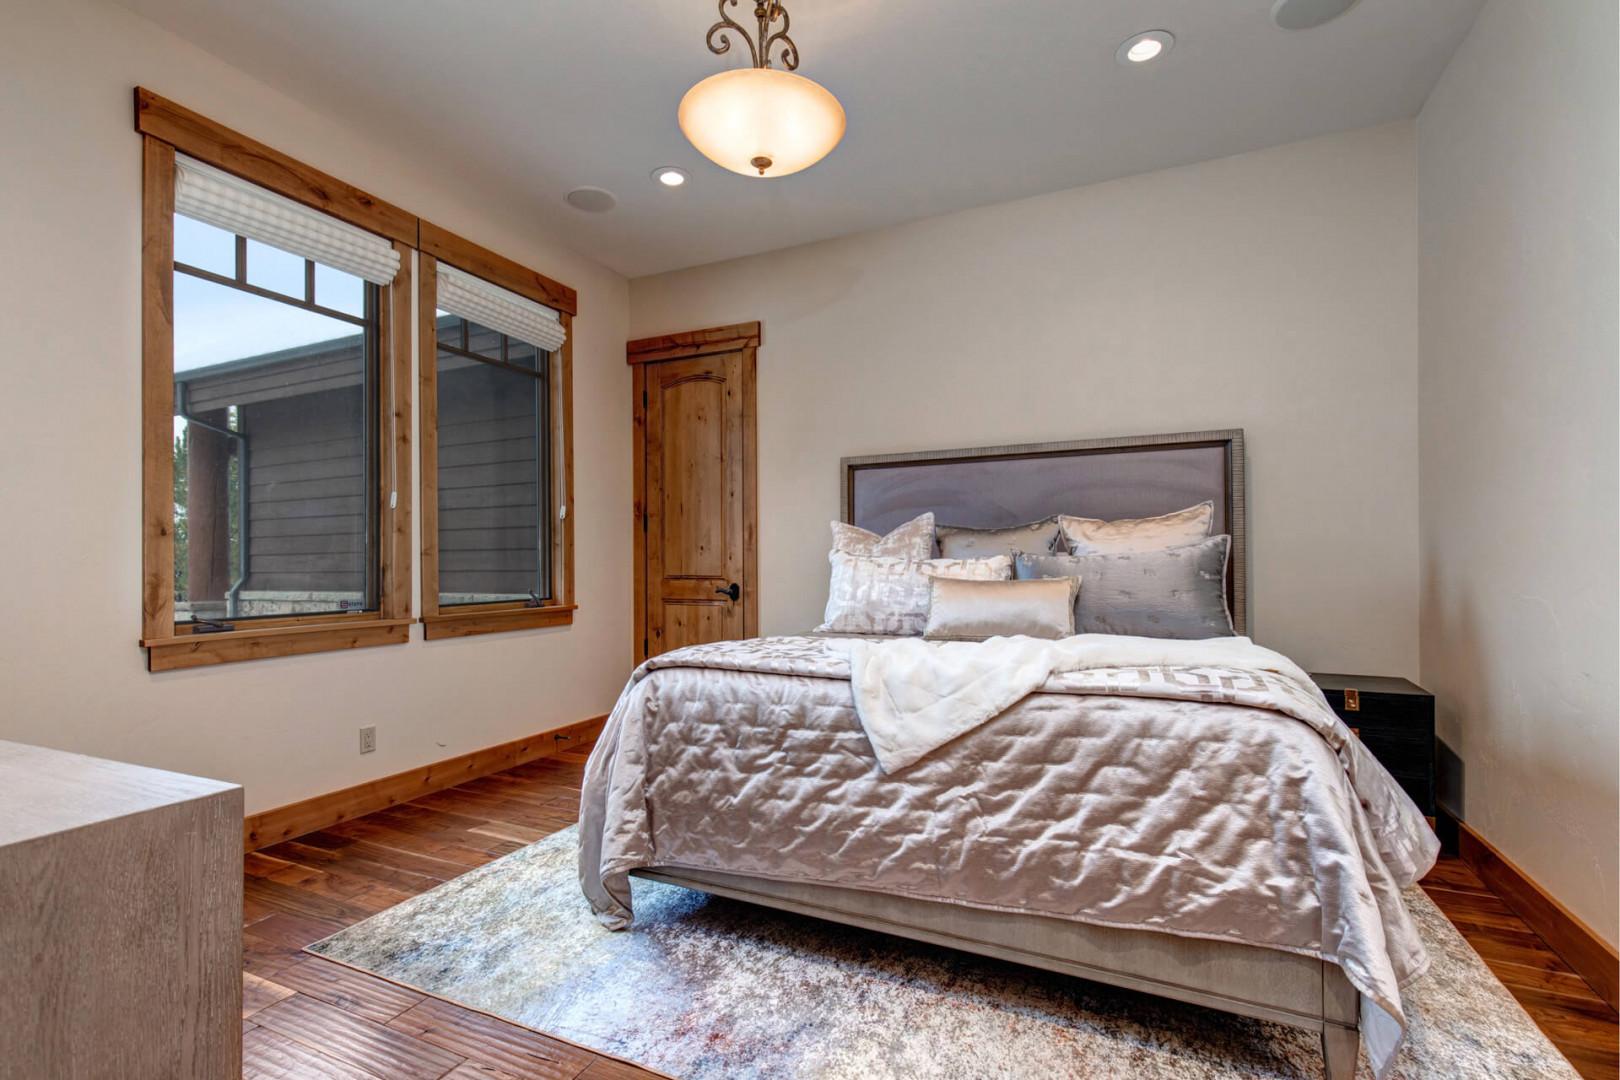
[(761, 121)]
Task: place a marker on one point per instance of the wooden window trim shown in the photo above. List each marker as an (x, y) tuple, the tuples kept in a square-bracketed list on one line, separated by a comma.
[(502, 615), (218, 145), (491, 266), (167, 128), (338, 633)]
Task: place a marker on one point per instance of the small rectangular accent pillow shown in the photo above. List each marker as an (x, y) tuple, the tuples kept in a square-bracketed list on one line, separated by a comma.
[(975, 610), (1092, 536), (913, 540), (876, 594), (961, 542), (1178, 592)]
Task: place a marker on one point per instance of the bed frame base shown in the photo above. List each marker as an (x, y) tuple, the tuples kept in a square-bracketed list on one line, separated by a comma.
[(1268, 984)]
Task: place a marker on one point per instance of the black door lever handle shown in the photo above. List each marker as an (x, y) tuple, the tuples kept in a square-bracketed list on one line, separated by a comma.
[(733, 590)]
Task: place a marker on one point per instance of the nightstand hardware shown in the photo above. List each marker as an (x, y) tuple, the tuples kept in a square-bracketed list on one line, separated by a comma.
[(1352, 700)]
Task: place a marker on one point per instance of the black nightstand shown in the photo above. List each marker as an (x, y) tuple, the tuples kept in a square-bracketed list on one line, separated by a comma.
[(1395, 720)]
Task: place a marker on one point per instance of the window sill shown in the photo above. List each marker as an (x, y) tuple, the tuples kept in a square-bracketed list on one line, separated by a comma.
[(204, 650), (495, 620)]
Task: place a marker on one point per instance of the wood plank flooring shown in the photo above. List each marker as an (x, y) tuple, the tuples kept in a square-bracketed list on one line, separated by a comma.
[(1580, 1024), (307, 1018)]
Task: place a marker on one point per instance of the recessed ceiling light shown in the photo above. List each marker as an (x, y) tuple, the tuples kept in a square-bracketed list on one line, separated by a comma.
[(592, 200), (1148, 45), (669, 175)]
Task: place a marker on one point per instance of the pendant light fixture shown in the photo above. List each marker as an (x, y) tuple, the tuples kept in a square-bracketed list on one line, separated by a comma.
[(760, 120)]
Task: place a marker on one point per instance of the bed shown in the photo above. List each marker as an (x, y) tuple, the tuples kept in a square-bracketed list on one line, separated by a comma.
[(1202, 832)]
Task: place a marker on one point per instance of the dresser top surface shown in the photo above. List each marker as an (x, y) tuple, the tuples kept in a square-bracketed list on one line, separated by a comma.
[(1369, 684), (43, 791)]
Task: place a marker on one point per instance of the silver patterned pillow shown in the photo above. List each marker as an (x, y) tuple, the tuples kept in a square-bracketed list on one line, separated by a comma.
[(1092, 536), (875, 594), (913, 540), (1179, 592), (961, 542)]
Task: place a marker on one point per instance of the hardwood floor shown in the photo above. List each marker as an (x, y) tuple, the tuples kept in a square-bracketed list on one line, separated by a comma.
[(307, 1018), (1580, 1024)]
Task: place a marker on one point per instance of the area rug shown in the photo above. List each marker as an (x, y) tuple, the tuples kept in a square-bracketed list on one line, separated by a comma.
[(703, 987)]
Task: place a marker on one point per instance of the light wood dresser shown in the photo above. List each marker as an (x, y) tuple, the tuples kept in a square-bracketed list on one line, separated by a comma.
[(120, 920)]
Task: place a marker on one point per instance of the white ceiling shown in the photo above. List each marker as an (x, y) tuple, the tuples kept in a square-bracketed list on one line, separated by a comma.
[(951, 103)]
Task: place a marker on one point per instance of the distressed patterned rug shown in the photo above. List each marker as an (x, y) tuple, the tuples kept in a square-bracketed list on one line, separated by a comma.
[(704, 987)]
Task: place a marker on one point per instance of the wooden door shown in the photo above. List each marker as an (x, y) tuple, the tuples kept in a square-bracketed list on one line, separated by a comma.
[(695, 489)]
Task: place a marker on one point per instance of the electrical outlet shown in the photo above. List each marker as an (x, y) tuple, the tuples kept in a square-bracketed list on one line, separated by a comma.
[(368, 738)]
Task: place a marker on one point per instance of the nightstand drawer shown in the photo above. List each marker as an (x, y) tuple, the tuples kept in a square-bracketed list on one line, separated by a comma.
[(1394, 720), (1403, 757), (1389, 734), (1396, 743), (1382, 710)]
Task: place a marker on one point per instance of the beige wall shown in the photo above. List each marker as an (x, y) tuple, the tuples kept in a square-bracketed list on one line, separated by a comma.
[(71, 675), (1518, 290), (1274, 291)]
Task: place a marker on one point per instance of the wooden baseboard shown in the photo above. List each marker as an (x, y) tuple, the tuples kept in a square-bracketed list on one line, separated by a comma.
[(1594, 959), (295, 819)]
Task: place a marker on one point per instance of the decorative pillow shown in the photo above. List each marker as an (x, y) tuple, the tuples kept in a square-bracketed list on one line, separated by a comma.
[(961, 542), (1090, 536), (875, 594), (913, 540), (974, 610), (1178, 592)]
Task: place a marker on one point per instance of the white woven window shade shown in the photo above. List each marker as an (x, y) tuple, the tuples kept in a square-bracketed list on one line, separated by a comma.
[(487, 304), (216, 197)]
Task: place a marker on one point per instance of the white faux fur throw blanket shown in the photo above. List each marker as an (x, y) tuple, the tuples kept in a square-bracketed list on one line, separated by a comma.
[(914, 696)]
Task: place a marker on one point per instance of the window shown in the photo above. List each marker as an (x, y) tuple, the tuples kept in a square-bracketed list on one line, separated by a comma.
[(496, 460), (275, 365), (494, 472), (276, 501)]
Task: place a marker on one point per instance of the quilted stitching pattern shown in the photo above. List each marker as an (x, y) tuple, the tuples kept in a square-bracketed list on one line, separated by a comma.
[(1208, 802)]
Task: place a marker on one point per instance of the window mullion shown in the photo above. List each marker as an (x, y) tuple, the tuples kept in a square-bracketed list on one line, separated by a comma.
[(542, 450)]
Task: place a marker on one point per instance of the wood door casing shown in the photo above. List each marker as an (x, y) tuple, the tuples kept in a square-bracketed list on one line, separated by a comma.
[(695, 488)]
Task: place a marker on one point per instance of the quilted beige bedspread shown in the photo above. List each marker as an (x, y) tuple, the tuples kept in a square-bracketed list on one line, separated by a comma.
[(1209, 802)]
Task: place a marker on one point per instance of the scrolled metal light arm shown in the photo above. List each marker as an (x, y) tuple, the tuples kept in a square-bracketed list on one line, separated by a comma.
[(760, 45)]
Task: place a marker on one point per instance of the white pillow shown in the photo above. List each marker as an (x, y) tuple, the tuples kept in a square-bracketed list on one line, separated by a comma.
[(875, 594), (913, 540), (1093, 536)]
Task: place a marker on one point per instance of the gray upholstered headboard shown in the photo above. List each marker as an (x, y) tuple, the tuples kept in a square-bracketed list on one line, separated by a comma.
[(992, 486)]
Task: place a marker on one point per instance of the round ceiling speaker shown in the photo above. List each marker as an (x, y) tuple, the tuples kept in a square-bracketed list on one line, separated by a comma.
[(592, 200), (1306, 14)]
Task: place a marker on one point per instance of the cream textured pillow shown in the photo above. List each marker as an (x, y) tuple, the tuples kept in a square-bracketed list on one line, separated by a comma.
[(1091, 536), (913, 540), (975, 610), (875, 594)]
